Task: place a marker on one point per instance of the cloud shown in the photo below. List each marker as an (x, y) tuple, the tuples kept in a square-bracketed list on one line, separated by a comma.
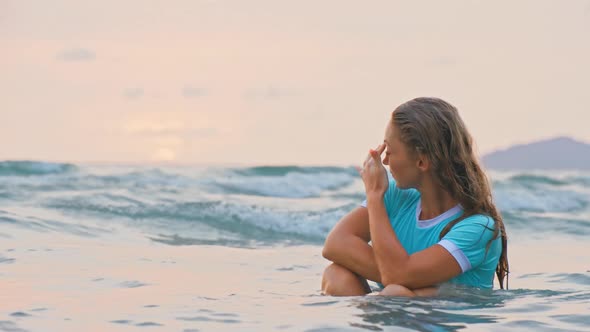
[(191, 92), (133, 93), (168, 128), (269, 93), (76, 55)]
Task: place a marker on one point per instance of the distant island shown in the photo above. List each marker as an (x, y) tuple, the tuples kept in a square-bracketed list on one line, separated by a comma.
[(563, 153)]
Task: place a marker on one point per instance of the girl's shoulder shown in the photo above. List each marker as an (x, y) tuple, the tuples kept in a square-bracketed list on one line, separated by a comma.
[(480, 219)]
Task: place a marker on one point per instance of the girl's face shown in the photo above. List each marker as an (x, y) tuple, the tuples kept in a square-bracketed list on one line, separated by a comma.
[(403, 163)]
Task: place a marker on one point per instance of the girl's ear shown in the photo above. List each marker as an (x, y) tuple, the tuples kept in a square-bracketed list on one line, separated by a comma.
[(422, 162)]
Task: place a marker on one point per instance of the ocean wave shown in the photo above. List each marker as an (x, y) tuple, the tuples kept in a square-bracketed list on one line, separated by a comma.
[(240, 205), (536, 180), (140, 182), (542, 192), (284, 170), (244, 224), (47, 225), (233, 221), (293, 182), (532, 179), (134, 179), (289, 186), (33, 168), (544, 224), (548, 200), (579, 180)]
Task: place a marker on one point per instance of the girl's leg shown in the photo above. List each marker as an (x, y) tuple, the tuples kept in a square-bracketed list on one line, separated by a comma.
[(339, 281), (398, 290)]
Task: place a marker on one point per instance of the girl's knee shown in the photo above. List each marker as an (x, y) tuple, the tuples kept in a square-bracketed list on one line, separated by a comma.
[(397, 290), (335, 274), (338, 280)]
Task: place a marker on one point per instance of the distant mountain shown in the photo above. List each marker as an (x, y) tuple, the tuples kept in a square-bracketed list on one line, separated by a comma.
[(562, 153)]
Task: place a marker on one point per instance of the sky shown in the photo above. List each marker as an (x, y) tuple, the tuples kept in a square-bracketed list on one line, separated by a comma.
[(267, 82)]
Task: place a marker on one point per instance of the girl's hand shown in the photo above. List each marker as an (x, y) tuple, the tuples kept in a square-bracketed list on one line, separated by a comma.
[(374, 174)]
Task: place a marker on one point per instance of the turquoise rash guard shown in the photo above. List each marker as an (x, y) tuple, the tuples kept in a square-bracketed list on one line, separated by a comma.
[(466, 241)]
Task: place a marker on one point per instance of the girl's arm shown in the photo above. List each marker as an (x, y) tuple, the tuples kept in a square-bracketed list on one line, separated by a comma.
[(347, 245)]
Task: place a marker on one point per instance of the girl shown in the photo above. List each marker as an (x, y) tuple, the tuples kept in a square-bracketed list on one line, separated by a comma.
[(435, 222)]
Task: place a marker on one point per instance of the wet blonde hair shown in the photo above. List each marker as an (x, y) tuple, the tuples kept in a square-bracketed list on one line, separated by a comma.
[(433, 127)]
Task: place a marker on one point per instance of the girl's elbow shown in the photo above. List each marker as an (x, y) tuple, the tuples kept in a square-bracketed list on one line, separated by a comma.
[(327, 252), (330, 248), (334, 246)]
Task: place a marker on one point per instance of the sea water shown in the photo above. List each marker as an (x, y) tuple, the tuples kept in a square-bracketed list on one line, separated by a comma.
[(171, 248)]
